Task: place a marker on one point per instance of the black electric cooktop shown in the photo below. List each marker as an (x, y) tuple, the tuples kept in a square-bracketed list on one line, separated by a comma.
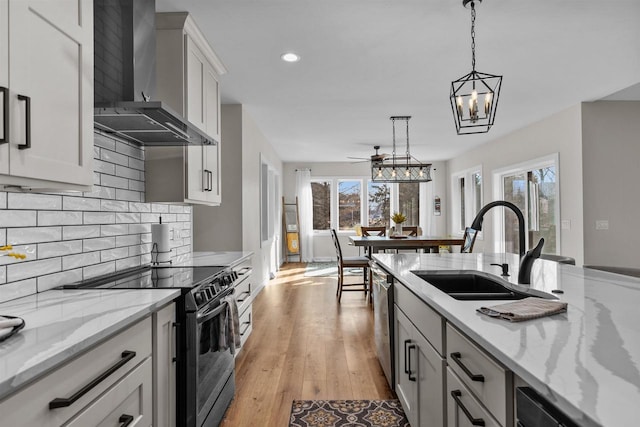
[(152, 277)]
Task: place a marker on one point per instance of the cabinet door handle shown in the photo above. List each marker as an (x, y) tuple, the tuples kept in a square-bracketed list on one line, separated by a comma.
[(474, 421), (474, 377), (62, 402), (411, 347), (205, 180), (5, 114), (241, 300), (247, 324), (406, 352), (210, 181), (125, 420), (27, 120), (176, 327)]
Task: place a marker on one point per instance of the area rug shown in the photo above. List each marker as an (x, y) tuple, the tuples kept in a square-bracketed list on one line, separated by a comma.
[(328, 269), (342, 413)]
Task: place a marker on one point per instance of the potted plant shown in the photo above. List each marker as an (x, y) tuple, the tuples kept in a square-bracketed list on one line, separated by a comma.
[(398, 218)]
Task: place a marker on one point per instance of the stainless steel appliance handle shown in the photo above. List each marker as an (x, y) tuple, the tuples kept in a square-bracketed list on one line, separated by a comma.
[(213, 313)]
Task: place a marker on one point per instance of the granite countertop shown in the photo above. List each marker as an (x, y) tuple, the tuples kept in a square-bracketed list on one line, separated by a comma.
[(60, 324), (208, 259), (586, 361)]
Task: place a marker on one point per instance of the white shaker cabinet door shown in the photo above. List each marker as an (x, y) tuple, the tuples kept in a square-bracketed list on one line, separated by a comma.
[(51, 90)]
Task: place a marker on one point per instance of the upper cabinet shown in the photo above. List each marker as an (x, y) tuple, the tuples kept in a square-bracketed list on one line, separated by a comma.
[(46, 95), (188, 73)]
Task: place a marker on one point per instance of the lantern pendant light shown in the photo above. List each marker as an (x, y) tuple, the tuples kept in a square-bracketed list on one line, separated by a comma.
[(473, 89)]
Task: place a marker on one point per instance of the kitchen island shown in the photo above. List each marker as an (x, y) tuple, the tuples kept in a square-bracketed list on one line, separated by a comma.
[(585, 361)]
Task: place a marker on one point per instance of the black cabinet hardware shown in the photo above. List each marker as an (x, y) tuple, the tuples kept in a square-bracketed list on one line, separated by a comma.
[(247, 324), (411, 347), (176, 326), (27, 120), (241, 300), (406, 365), (474, 377), (474, 421), (62, 402), (210, 181), (125, 420), (5, 114)]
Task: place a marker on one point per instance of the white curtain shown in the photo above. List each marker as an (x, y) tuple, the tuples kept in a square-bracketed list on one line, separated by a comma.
[(305, 204)]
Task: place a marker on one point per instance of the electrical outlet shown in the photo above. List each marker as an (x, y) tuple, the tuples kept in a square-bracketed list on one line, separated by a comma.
[(565, 224), (602, 224)]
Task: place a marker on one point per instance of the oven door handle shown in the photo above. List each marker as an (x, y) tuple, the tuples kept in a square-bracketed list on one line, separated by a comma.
[(213, 313)]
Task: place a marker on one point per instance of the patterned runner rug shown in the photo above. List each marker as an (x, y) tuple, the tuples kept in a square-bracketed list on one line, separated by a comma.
[(344, 413)]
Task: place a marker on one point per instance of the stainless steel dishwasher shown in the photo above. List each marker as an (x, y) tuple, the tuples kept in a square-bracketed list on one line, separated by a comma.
[(383, 319)]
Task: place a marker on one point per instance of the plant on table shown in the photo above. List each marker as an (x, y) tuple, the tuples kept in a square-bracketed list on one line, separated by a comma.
[(398, 217)]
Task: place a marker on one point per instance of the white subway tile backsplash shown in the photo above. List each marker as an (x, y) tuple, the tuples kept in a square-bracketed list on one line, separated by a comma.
[(19, 289), (90, 245), (114, 205), (33, 201), (98, 270), (113, 254), (139, 207), (71, 237), (127, 218), (59, 218), (113, 229), (99, 218), (16, 218), (55, 249), (132, 196), (80, 260), (21, 236), (113, 157), (28, 269), (67, 277), (80, 232), (80, 204)]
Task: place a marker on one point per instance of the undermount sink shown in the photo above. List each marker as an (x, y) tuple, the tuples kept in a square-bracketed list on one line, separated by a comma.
[(475, 285)]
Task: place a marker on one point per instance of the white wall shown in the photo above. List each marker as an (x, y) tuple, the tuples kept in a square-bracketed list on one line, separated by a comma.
[(611, 156), (322, 245), (560, 133)]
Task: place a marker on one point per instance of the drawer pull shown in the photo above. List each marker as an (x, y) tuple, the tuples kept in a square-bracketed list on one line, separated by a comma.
[(411, 347), (241, 300), (27, 134), (406, 365), (125, 420), (62, 402), (474, 377), (474, 421), (5, 115), (244, 270), (247, 324)]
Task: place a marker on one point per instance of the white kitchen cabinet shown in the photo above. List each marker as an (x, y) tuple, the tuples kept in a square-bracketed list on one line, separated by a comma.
[(244, 294), (419, 374), (73, 390), (164, 367), (188, 73), (46, 72)]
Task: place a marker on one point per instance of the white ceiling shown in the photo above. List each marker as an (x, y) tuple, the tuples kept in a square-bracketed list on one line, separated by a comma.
[(366, 60)]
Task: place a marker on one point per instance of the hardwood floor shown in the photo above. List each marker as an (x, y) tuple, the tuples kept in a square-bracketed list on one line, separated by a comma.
[(304, 345)]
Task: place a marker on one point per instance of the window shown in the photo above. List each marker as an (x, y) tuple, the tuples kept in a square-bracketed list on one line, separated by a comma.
[(467, 197), (409, 201), (321, 195), (349, 203), (532, 187), (379, 206)]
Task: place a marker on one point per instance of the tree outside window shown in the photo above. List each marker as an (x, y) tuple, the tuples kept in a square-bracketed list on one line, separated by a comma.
[(409, 201), (379, 204), (321, 196), (349, 204)]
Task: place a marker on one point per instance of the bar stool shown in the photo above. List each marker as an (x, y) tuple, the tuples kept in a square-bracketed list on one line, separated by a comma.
[(350, 262)]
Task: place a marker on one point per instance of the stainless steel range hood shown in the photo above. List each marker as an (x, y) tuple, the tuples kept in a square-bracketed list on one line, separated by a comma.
[(124, 78)]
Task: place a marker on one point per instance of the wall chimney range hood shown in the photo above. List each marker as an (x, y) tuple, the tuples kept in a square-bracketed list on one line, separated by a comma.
[(125, 78)]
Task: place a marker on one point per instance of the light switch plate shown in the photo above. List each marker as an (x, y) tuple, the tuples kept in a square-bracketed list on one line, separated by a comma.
[(602, 224), (565, 224)]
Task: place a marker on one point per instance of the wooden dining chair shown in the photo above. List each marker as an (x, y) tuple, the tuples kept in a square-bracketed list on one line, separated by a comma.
[(350, 262), (469, 239), (374, 231), (410, 230)]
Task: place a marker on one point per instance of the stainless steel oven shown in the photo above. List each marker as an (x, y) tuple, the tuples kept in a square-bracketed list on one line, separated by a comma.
[(205, 380)]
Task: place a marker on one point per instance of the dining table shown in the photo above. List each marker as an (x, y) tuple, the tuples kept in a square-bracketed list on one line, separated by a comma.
[(373, 244)]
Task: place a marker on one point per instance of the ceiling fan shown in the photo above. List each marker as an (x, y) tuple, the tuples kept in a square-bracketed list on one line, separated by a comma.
[(377, 157)]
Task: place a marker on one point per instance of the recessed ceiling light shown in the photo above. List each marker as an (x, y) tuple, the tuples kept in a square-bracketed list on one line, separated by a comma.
[(290, 57)]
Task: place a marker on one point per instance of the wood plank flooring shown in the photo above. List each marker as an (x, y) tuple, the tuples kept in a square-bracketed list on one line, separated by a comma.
[(304, 345)]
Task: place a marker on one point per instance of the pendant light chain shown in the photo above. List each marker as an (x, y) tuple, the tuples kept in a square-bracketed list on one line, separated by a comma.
[(473, 36), (408, 155), (393, 155)]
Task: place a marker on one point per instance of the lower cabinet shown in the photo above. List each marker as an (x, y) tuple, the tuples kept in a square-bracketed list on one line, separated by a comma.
[(419, 374), (72, 393), (463, 409), (164, 367)]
